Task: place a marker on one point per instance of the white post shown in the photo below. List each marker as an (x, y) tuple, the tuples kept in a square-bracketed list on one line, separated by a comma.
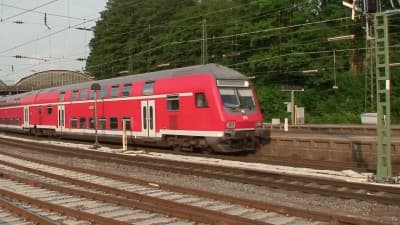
[(286, 126), (124, 136)]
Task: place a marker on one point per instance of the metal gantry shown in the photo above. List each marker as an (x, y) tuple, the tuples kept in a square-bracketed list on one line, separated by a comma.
[(384, 168)]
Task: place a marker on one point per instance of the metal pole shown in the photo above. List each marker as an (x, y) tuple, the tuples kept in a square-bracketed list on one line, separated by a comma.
[(124, 136), (96, 140), (383, 86), (334, 69), (292, 106), (204, 43)]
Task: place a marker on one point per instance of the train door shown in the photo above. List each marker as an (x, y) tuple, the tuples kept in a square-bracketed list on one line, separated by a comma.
[(148, 118), (26, 116), (61, 117)]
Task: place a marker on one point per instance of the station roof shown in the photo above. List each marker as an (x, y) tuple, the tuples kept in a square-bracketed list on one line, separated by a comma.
[(44, 79)]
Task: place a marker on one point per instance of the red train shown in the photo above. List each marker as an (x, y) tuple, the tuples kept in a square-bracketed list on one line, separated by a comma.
[(206, 107)]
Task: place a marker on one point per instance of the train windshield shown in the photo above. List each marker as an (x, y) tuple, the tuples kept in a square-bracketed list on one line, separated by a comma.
[(237, 99)]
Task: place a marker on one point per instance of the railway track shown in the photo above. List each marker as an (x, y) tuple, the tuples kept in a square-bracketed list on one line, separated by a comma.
[(295, 185), (68, 183), (308, 184), (272, 179), (12, 212)]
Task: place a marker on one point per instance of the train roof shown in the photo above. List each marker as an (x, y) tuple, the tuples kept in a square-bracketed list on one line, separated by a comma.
[(218, 71)]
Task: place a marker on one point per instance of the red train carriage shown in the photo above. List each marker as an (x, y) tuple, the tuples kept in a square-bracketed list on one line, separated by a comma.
[(193, 108)]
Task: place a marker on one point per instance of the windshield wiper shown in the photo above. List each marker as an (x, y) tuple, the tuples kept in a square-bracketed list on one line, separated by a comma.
[(232, 106)]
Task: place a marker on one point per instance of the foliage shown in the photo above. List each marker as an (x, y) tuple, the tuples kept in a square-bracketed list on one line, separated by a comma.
[(281, 43)]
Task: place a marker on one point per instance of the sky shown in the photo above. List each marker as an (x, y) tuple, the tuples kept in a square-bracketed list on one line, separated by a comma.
[(51, 45)]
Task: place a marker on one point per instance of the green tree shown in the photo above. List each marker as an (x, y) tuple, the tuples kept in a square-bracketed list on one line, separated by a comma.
[(281, 43)]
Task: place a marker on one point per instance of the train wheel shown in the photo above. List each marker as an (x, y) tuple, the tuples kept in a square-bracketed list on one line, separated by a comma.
[(208, 150), (177, 148)]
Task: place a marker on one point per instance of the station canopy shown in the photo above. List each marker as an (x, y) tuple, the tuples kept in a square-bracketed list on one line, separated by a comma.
[(45, 79)]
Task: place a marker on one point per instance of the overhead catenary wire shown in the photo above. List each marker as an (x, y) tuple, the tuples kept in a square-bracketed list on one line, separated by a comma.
[(29, 10), (40, 12), (226, 36), (124, 5), (171, 43), (46, 36)]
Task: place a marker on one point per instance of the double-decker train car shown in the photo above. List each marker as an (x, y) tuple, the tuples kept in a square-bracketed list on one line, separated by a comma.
[(206, 107)]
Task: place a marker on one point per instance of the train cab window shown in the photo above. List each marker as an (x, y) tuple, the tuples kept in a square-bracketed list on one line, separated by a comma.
[(61, 96), (49, 109), (103, 91), (74, 95), (237, 98), (74, 122), (246, 98), (102, 123), (126, 91), (173, 102), (127, 123), (113, 123), (114, 91), (148, 88), (91, 123), (201, 100), (83, 94), (82, 122)]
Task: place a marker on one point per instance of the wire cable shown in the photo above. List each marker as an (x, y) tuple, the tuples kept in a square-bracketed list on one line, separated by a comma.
[(29, 10)]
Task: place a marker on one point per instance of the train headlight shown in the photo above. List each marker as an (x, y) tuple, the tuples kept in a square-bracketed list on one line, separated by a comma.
[(231, 124)]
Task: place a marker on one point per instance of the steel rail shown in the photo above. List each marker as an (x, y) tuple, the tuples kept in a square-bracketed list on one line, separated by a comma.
[(322, 215), (130, 199), (315, 214), (57, 208), (250, 176), (391, 195), (27, 215)]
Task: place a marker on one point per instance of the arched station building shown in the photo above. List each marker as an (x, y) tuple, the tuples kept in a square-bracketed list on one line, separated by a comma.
[(44, 79)]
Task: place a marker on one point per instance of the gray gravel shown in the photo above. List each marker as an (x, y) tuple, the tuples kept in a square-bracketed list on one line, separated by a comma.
[(385, 213)]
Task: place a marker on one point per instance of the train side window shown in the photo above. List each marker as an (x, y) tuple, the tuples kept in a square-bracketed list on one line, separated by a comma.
[(83, 94), (173, 102), (148, 88), (102, 123), (61, 96), (113, 123), (82, 122), (126, 91), (74, 122), (74, 96), (201, 100), (127, 123), (92, 94), (49, 109), (114, 91), (91, 123), (103, 91)]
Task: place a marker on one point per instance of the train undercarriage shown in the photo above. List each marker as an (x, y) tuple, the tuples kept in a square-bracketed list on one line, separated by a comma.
[(232, 142)]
